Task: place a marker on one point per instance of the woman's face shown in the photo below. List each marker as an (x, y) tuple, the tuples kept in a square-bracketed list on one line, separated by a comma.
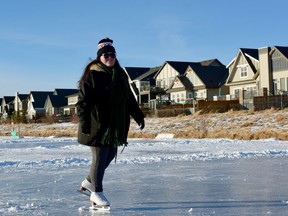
[(108, 59)]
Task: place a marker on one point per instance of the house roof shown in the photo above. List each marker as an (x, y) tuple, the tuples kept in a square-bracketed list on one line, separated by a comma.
[(181, 67), (135, 72), (58, 100), (141, 73), (187, 85), (211, 62), (8, 99), (211, 76), (40, 98), (186, 82), (65, 92), (283, 50), (23, 96), (251, 52), (149, 75)]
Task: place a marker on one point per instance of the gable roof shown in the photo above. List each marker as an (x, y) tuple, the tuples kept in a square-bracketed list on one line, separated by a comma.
[(8, 99), (283, 50), (250, 52), (23, 96), (135, 72), (186, 84), (141, 73), (247, 53), (65, 92), (211, 76), (58, 100), (40, 98), (181, 67), (149, 75)]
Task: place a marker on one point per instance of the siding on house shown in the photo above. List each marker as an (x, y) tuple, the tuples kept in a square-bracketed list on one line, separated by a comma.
[(36, 103), (243, 72)]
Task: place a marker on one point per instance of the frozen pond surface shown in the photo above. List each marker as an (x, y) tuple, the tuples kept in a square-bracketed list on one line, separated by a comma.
[(167, 177)]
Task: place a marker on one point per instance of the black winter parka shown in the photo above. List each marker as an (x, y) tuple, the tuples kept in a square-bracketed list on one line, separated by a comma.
[(93, 107)]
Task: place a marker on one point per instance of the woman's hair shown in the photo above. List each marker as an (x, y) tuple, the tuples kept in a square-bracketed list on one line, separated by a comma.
[(86, 71)]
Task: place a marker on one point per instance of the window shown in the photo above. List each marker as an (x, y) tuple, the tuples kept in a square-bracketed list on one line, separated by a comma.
[(163, 83), (282, 84), (279, 63), (158, 83), (275, 86), (236, 93), (171, 79), (244, 71)]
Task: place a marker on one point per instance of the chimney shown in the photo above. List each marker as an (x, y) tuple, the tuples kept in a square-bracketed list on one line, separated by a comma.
[(16, 102), (264, 69)]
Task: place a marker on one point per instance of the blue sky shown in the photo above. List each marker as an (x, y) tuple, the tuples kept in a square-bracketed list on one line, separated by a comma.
[(46, 44)]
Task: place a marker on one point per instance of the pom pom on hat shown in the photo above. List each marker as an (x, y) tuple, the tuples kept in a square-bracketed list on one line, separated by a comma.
[(105, 45)]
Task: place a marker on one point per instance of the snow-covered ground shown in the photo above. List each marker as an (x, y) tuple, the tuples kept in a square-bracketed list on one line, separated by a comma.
[(40, 176)]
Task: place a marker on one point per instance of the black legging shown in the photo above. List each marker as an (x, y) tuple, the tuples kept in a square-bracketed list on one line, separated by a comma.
[(101, 158)]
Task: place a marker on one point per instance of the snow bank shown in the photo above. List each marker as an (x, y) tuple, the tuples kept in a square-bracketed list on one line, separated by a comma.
[(55, 152)]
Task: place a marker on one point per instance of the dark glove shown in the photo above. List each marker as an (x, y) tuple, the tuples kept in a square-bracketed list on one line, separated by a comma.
[(141, 123), (86, 129)]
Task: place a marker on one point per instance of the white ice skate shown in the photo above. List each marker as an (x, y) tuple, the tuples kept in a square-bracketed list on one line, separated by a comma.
[(86, 185), (99, 201)]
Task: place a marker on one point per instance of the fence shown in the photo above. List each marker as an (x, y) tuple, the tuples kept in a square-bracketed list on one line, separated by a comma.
[(206, 106), (267, 102)]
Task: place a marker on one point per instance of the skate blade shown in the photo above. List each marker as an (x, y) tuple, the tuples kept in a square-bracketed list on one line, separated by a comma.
[(99, 208)]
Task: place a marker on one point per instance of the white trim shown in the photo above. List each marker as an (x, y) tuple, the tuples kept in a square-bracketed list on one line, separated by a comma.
[(251, 57)]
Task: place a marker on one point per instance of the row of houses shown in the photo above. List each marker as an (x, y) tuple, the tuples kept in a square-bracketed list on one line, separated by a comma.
[(251, 73), (37, 104)]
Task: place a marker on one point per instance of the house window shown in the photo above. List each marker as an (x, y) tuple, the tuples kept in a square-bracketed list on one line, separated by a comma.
[(163, 83), (171, 79), (282, 84), (236, 93), (279, 63), (158, 83), (244, 71), (275, 86)]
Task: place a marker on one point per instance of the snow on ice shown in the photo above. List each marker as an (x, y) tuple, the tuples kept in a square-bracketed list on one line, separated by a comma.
[(165, 176)]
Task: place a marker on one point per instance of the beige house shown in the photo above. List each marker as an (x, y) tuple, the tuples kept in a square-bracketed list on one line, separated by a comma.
[(20, 102), (70, 109), (36, 103), (244, 73), (56, 104), (186, 80), (259, 71)]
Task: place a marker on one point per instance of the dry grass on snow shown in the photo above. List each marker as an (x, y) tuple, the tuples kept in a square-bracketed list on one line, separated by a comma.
[(245, 125)]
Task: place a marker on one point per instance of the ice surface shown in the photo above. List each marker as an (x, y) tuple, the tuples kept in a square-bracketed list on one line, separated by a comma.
[(40, 176)]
